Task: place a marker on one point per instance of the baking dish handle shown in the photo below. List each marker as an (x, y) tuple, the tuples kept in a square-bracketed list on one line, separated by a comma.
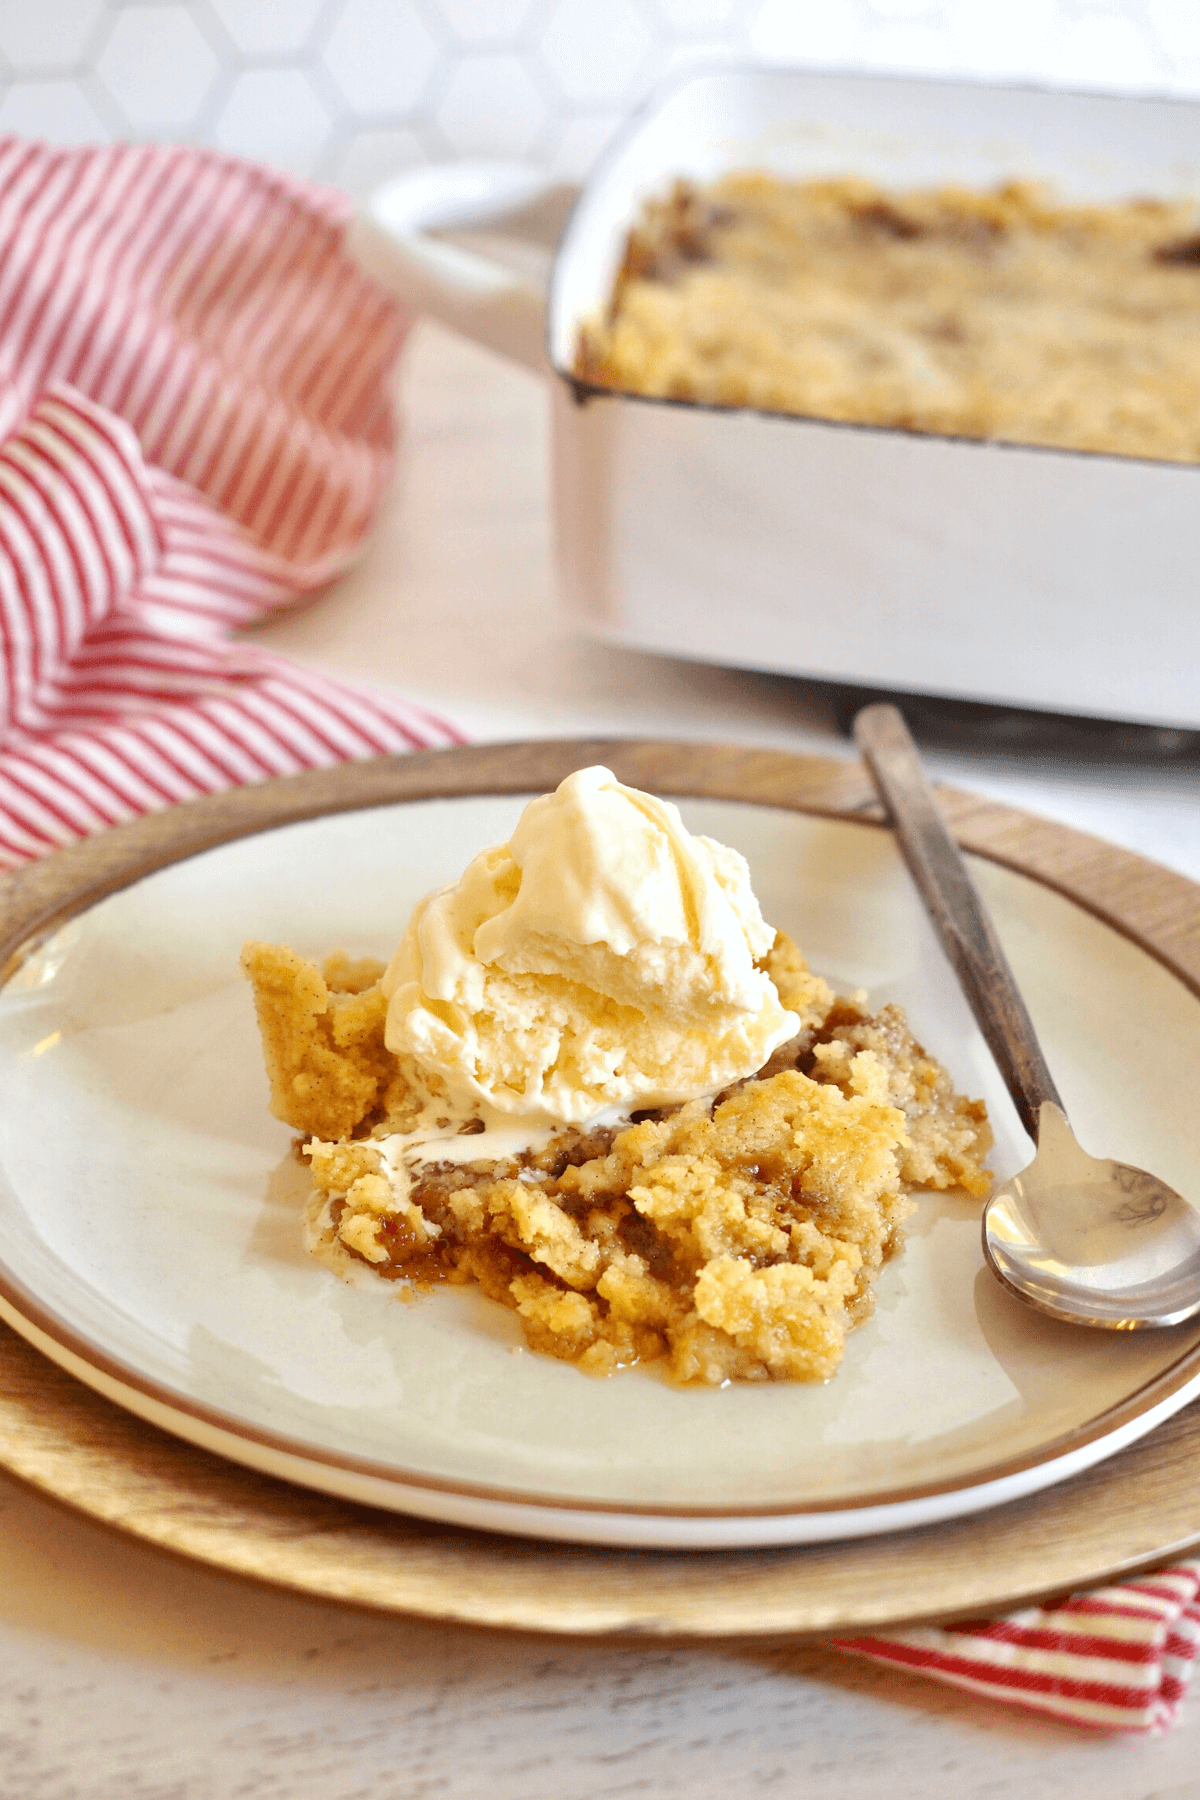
[(393, 238)]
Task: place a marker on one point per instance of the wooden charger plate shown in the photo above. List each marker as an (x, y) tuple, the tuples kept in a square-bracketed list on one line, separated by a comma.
[(1139, 1508)]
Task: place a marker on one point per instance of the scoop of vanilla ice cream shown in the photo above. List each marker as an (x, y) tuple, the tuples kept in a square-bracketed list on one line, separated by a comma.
[(603, 959)]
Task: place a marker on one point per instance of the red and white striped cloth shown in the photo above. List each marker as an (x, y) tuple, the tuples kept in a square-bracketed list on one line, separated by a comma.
[(1117, 1659), (195, 428)]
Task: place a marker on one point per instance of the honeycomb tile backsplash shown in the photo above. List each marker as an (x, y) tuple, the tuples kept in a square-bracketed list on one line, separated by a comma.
[(350, 91)]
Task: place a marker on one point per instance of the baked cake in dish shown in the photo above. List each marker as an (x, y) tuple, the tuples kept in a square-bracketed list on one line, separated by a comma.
[(1004, 314)]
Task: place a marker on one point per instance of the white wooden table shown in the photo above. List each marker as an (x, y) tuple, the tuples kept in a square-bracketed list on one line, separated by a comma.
[(127, 1675)]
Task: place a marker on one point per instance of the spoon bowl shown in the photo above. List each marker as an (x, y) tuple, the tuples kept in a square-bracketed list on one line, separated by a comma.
[(1092, 1241)]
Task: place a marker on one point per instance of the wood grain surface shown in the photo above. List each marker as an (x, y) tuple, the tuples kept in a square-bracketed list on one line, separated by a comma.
[(1133, 1511)]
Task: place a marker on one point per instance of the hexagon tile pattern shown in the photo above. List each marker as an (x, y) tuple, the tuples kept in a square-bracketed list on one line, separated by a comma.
[(352, 90), (157, 67), (381, 55)]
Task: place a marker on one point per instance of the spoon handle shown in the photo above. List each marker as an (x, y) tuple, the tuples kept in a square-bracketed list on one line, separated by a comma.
[(967, 932)]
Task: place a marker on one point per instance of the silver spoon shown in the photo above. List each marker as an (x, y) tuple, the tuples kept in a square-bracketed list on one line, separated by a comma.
[(1091, 1241)]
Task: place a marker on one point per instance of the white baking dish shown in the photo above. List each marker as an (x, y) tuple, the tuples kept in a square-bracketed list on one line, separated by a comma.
[(1042, 578)]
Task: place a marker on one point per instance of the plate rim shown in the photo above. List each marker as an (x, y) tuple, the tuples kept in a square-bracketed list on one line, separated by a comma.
[(1137, 898)]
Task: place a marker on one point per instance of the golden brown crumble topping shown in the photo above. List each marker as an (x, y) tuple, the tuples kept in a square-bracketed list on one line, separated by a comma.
[(736, 1238), (1001, 314)]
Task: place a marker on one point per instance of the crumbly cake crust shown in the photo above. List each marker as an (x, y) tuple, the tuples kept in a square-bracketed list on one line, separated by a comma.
[(736, 1239), (1000, 314)]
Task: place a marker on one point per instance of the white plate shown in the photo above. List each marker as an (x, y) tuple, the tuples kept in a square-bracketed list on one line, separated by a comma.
[(149, 1212)]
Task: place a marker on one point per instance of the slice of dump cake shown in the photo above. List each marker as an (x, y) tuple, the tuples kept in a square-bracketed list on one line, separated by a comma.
[(595, 1082)]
